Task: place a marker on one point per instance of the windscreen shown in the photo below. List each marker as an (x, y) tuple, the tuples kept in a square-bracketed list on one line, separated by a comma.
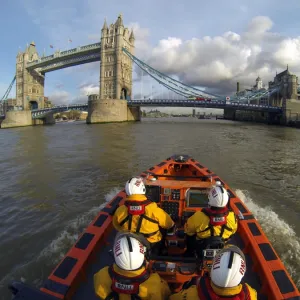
[(198, 199), (153, 193)]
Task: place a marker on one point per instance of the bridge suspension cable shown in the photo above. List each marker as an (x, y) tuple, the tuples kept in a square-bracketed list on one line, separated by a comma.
[(259, 94), (8, 90), (169, 82)]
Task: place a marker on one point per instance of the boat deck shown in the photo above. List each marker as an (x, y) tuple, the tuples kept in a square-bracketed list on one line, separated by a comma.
[(180, 186), (86, 290)]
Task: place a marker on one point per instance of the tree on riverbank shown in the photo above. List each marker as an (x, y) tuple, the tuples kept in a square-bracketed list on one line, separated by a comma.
[(70, 115)]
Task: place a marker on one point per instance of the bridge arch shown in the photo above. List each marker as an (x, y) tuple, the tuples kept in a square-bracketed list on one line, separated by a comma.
[(124, 93), (33, 105)]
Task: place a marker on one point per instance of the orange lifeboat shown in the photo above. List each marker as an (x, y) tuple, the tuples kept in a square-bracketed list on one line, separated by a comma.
[(179, 185)]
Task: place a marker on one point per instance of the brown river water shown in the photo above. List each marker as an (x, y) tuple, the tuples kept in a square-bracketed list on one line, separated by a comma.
[(54, 180)]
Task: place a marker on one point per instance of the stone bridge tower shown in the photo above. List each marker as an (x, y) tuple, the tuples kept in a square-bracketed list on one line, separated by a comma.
[(115, 78), (29, 85), (116, 66)]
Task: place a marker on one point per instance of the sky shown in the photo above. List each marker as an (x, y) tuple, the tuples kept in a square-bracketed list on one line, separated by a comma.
[(211, 44)]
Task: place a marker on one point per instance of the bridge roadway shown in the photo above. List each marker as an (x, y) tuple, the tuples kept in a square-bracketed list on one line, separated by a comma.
[(68, 58), (39, 113)]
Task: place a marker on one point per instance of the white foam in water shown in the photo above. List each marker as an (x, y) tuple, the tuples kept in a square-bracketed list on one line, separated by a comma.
[(282, 237), (284, 241), (57, 249)]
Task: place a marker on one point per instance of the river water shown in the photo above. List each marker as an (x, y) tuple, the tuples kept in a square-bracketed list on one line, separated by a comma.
[(54, 179)]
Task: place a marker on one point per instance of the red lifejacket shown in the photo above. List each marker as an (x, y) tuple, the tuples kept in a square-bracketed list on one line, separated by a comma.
[(205, 291), (126, 285), (137, 208), (216, 218)]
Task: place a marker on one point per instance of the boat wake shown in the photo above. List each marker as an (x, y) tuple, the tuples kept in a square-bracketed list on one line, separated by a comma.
[(36, 271), (281, 235), (58, 247)]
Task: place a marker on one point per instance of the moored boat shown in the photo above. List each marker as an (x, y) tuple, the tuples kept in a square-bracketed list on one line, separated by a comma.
[(179, 185)]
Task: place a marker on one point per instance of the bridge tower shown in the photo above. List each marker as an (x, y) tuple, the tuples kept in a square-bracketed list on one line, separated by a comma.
[(29, 91), (116, 66), (115, 77), (29, 84)]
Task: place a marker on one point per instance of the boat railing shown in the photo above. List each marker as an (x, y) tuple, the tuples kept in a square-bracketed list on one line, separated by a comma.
[(180, 176)]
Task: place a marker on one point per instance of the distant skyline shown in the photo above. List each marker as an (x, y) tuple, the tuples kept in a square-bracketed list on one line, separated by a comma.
[(209, 44)]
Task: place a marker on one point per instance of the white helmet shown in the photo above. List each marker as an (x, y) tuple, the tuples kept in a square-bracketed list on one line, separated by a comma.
[(228, 267), (129, 253), (135, 185), (218, 196)]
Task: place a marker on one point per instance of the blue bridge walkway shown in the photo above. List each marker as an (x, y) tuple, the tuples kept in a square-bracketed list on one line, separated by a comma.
[(40, 113)]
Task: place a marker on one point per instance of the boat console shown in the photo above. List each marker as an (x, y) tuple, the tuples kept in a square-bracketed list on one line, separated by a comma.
[(177, 269), (180, 199)]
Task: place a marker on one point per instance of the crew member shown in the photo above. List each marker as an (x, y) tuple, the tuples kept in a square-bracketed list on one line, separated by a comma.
[(128, 278), (215, 220), (224, 280), (140, 215)]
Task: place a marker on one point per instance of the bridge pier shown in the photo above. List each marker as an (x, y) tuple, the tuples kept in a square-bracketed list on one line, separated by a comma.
[(133, 113), (47, 120), (253, 116), (292, 117), (111, 111), (17, 118), (22, 118), (229, 113)]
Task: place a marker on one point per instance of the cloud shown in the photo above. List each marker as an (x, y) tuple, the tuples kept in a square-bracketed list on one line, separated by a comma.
[(141, 39), (259, 25), (59, 97), (62, 97), (218, 62), (214, 61), (59, 85), (86, 89)]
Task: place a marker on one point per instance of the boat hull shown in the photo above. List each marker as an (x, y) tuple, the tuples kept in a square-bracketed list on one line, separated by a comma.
[(168, 184)]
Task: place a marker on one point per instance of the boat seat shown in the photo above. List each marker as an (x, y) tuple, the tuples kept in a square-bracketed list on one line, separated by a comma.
[(174, 258), (184, 266), (185, 215), (213, 242), (180, 233), (188, 213)]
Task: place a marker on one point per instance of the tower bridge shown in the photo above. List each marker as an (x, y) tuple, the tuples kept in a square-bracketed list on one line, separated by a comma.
[(115, 100)]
